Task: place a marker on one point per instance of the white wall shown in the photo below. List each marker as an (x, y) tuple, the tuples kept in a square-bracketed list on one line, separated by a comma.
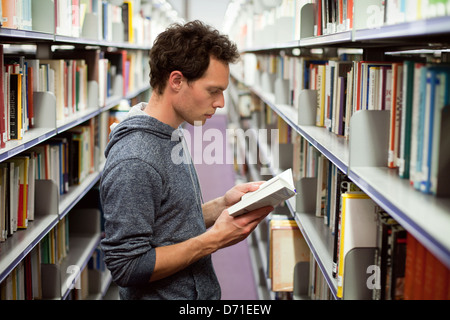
[(209, 11)]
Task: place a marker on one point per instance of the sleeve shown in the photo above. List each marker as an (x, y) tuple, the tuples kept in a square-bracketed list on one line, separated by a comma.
[(130, 196)]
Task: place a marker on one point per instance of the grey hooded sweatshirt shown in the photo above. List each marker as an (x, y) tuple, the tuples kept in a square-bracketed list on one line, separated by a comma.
[(151, 197)]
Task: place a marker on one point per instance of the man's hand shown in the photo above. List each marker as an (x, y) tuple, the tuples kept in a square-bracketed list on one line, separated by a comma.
[(212, 209), (234, 194), (230, 230), (225, 231)]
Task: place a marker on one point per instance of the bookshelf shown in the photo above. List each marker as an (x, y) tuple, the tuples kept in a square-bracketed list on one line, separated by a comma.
[(361, 153), (52, 208)]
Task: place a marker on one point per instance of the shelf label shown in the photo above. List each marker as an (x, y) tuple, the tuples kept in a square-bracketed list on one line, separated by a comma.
[(17, 150)]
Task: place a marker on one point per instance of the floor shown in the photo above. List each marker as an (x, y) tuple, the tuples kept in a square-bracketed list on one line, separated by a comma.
[(232, 264)]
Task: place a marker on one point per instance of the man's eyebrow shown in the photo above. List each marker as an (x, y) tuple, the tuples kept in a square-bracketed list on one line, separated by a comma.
[(217, 87)]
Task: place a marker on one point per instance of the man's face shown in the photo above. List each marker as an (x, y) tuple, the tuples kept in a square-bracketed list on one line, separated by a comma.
[(199, 99)]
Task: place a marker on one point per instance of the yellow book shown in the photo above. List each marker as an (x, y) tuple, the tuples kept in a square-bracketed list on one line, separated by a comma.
[(53, 248), (15, 105), (14, 284), (130, 20), (283, 128), (358, 229)]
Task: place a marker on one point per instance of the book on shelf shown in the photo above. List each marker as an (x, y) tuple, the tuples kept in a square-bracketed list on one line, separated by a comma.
[(396, 12), (337, 16), (37, 275), (127, 19), (15, 106), (69, 82), (435, 115), (336, 73), (10, 187), (332, 16), (117, 73), (413, 90), (16, 14), (396, 115), (390, 257), (428, 153), (407, 100), (318, 286), (357, 230), (287, 248), (4, 208), (341, 185), (18, 87), (426, 277), (24, 281), (322, 185), (22, 163), (441, 163), (3, 103), (270, 193), (59, 155)]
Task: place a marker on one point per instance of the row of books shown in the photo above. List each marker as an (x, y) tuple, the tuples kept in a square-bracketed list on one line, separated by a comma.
[(398, 11), (96, 19), (17, 14), (24, 282), (67, 160), (27, 281), (342, 206), (324, 17), (416, 95), (16, 97), (17, 194), (426, 277), (413, 91), (352, 219), (90, 281), (403, 269), (69, 80), (355, 220), (332, 16), (55, 245), (318, 287), (418, 123)]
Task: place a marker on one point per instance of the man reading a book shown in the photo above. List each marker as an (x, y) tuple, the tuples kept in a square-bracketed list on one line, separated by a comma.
[(158, 234)]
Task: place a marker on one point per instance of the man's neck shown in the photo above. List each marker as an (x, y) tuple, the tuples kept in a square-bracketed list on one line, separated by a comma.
[(161, 109)]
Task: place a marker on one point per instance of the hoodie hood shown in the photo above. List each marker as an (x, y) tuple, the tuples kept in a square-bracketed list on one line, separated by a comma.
[(137, 120)]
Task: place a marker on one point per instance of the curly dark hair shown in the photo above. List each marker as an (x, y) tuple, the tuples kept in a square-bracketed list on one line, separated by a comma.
[(187, 48)]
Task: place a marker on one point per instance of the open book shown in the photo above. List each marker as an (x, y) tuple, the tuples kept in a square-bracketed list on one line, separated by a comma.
[(270, 193)]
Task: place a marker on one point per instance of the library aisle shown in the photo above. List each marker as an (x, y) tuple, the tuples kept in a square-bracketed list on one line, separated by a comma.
[(232, 264)]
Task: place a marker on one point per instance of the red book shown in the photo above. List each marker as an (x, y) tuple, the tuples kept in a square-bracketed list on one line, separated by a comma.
[(410, 263), (350, 13), (419, 272)]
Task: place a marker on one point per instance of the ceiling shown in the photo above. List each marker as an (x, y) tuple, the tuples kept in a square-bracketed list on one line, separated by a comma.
[(209, 11)]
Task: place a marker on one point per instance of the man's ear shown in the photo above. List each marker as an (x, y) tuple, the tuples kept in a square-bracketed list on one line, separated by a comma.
[(175, 80)]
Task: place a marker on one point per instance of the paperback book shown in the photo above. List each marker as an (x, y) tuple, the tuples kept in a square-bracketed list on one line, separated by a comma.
[(270, 193)]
